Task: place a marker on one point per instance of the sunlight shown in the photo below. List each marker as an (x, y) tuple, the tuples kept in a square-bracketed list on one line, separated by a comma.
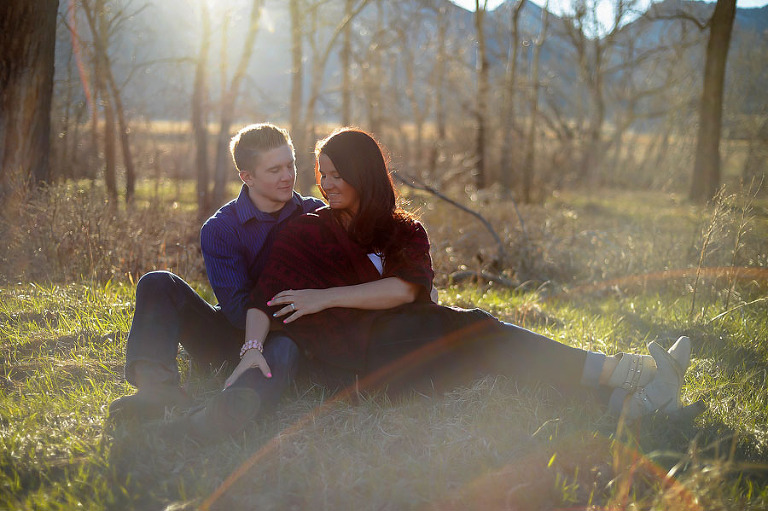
[(218, 8), (267, 21)]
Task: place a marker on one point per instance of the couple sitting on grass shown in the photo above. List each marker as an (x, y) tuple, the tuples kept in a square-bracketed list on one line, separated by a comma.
[(345, 288)]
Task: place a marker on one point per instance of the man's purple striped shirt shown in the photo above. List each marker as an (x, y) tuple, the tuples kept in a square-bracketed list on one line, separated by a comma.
[(236, 241)]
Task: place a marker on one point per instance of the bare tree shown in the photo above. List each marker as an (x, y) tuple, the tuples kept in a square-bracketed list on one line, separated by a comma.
[(533, 121), (104, 21), (27, 42), (483, 87), (346, 67), (96, 14), (296, 9), (508, 109), (228, 101), (200, 115), (409, 43), (321, 52), (438, 85), (308, 13), (706, 168), (593, 45), (370, 62)]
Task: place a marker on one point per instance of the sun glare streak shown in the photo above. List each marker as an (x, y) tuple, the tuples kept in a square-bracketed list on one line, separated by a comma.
[(735, 273), (388, 373)]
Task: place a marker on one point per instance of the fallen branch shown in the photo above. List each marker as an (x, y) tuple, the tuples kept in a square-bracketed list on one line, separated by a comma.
[(418, 185)]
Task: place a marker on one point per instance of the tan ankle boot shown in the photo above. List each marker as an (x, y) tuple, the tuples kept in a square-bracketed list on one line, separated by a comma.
[(632, 372), (662, 393)]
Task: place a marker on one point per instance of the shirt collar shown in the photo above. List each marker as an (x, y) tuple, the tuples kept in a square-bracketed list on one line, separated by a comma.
[(246, 211)]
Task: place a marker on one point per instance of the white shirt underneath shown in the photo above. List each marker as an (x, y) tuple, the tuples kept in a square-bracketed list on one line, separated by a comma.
[(378, 262)]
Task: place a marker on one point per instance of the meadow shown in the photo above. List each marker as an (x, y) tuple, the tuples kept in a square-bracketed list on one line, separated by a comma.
[(607, 270)]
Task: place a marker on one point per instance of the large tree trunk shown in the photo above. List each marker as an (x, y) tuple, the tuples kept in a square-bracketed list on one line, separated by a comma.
[(706, 169), (27, 42)]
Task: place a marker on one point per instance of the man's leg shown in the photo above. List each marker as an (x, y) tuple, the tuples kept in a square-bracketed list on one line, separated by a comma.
[(251, 396), (168, 311)]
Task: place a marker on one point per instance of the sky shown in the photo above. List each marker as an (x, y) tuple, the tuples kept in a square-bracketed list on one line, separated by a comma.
[(557, 6)]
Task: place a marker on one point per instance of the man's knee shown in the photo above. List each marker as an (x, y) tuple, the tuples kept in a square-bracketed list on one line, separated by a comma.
[(281, 351), (155, 281)]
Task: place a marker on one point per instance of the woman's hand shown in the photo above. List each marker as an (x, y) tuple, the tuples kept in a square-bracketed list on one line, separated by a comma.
[(299, 303), (251, 358)]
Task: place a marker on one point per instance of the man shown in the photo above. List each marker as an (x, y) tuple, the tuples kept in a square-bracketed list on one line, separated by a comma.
[(235, 243)]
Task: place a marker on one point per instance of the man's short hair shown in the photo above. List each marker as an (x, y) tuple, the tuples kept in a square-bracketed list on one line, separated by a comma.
[(253, 140)]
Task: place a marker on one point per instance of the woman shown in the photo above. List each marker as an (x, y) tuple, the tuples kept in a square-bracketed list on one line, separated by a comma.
[(351, 284)]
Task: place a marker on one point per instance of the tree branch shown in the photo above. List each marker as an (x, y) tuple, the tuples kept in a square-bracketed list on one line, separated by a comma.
[(412, 182)]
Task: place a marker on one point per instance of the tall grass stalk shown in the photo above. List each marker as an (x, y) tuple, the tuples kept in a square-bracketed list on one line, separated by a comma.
[(747, 202), (716, 213)]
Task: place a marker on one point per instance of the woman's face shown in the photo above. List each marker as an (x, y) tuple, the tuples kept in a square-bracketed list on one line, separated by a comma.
[(341, 196)]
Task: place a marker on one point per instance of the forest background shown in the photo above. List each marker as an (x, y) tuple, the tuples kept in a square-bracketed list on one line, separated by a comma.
[(600, 181)]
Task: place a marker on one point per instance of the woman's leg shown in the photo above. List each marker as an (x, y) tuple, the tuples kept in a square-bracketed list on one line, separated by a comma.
[(450, 345), (453, 346)]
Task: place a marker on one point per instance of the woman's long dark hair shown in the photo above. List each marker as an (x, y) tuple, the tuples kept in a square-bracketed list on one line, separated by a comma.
[(360, 161)]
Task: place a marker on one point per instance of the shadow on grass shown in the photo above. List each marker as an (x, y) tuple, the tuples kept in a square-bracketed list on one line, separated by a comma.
[(575, 457)]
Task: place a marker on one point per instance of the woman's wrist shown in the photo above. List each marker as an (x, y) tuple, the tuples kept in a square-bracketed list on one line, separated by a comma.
[(251, 345)]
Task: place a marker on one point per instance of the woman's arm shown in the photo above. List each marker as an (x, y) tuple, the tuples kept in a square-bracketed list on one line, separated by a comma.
[(386, 293), (256, 328)]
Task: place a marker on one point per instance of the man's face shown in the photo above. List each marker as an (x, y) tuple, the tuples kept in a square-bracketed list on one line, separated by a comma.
[(270, 182)]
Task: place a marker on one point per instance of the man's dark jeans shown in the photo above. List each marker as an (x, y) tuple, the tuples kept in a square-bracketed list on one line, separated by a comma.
[(169, 312)]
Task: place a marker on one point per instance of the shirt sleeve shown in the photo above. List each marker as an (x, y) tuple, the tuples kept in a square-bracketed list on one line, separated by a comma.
[(415, 263), (227, 271)]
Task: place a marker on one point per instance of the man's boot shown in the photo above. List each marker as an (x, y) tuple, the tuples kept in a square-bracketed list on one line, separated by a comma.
[(158, 390), (227, 414)]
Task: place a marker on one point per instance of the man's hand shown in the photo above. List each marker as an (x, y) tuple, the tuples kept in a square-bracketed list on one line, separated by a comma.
[(299, 303), (252, 358)]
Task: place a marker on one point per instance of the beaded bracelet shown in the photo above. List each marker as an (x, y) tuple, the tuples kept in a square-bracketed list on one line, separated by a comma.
[(249, 345)]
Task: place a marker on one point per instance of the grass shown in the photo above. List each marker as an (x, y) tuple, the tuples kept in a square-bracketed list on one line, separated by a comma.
[(491, 444)]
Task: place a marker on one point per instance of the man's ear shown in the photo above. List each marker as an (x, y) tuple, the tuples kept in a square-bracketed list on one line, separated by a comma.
[(245, 176)]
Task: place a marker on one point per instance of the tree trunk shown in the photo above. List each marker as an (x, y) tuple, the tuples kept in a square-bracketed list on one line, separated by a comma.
[(482, 96), (530, 141), (101, 40), (706, 169), (27, 42), (125, 141), (591, 159), (200, 116), (346, 78), (228, 108), (439, 88), (305, 176), (508, 110)]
